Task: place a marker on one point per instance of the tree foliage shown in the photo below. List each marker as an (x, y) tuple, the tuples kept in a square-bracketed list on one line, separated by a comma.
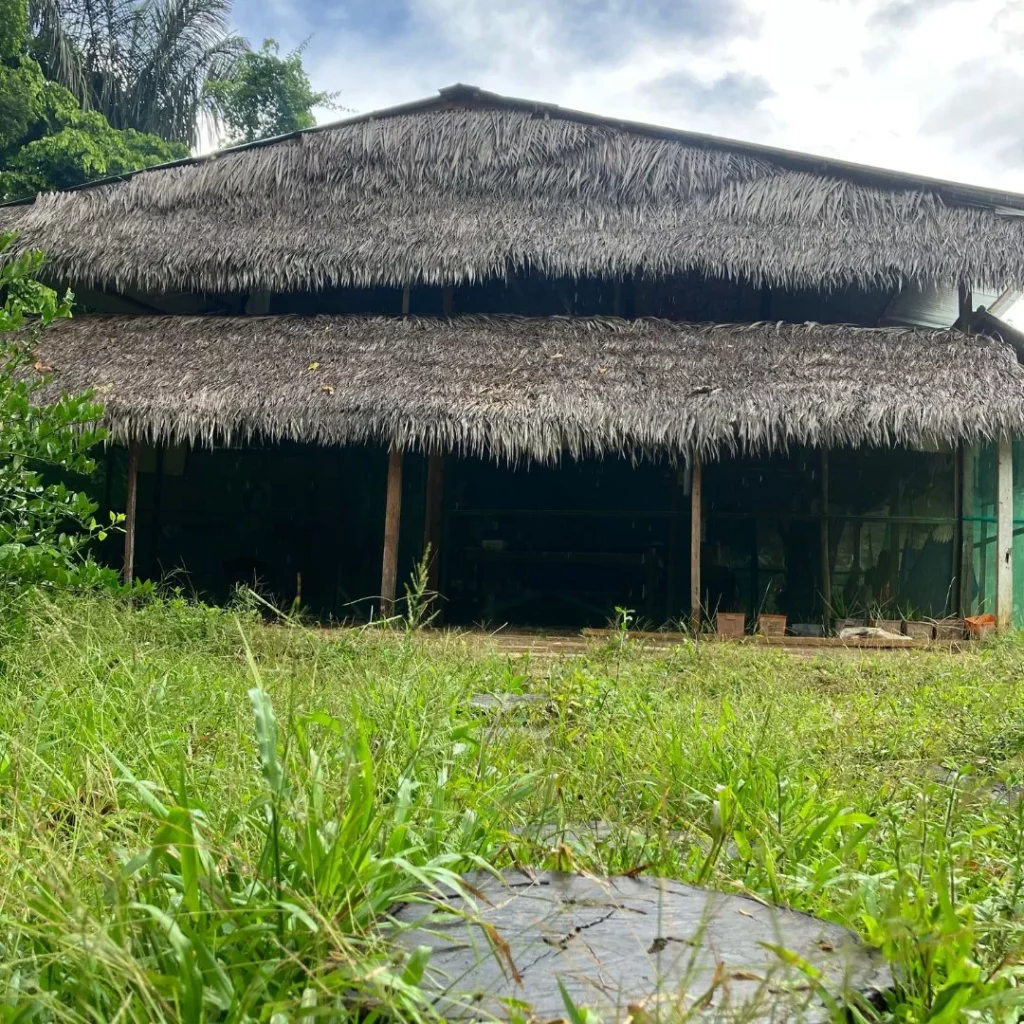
[(265, 95), (45, 524), (13, 29), (142, 64), (46, 140)]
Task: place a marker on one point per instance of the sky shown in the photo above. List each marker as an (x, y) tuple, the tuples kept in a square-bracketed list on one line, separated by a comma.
[(934, 87)]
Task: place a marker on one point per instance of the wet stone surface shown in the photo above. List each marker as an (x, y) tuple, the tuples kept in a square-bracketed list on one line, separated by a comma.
[(617, 944), (590, 833), (977, 786), (507, 701)]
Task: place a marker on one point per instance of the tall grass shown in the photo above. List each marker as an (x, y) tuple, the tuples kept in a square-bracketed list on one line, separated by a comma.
[(206, 818)]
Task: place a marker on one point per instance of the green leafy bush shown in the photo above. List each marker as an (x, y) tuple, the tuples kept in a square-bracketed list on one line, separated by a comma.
[(265, 95), (47, 141), (45, 524)]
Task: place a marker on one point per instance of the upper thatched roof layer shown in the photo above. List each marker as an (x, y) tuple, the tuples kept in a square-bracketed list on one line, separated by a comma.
[(516, 388), (468, 185)]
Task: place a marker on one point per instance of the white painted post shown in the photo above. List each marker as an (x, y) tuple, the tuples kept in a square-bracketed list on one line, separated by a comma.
[(1004, 537)]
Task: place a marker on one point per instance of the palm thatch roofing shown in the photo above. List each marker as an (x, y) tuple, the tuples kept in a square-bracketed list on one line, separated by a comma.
[(468, 185), (519, 388)]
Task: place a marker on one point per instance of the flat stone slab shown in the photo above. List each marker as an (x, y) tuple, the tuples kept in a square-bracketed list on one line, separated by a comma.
[(621, 944), (507, 701), (979, 786), (593, 832)]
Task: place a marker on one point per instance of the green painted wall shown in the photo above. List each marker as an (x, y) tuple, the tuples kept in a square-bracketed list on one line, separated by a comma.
[(980, 476)]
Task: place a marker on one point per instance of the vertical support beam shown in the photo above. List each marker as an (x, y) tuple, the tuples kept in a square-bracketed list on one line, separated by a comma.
[(392, 523), (434, 515), (826, 557), (696, 503), (406, 290), (1004, 536), (957, 584), (158, 486), (447, 300), (971, 575), (130, 507), (983, 539), (966, 302)]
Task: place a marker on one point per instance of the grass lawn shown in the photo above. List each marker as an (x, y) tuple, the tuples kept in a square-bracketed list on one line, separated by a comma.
[(207, 818)]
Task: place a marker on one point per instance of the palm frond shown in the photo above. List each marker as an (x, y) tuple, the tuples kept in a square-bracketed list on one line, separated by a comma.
[(58, 49), (142, 63)]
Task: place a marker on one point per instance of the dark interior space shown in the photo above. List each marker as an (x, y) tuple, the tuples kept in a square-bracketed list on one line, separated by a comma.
[(551, 546), (691, 298), (291, 520), (566, 545), (890, 533)]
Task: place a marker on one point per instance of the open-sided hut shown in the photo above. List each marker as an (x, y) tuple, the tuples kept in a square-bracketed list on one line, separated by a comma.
[(590, 363)]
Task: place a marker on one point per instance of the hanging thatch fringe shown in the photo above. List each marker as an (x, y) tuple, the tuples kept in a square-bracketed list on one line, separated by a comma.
[(443, 196), (517, 388)]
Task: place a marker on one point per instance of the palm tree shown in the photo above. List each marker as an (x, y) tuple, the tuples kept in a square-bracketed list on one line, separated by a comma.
[(142, 63)]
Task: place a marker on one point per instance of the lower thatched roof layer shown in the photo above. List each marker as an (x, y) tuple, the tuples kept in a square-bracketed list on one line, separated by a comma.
[(516, 388)]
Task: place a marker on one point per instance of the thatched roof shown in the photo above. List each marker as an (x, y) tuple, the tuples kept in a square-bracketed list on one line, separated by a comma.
[(467, 185), (517, 388)]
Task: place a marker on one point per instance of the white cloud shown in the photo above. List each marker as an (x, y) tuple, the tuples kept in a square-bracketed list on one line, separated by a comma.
[(929, 86)]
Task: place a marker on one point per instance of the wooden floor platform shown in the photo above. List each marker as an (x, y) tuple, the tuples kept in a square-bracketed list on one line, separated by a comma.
[(547, 644), (553, 644)]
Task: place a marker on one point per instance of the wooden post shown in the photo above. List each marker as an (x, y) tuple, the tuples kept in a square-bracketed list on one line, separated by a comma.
[(980, 526), (966, 306), (158, 487), (434, 515), (956, 597), (696, 487), (447, 300), (1004, 537), (392, 523), (405, 300), (826, 560), (131, 503)]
